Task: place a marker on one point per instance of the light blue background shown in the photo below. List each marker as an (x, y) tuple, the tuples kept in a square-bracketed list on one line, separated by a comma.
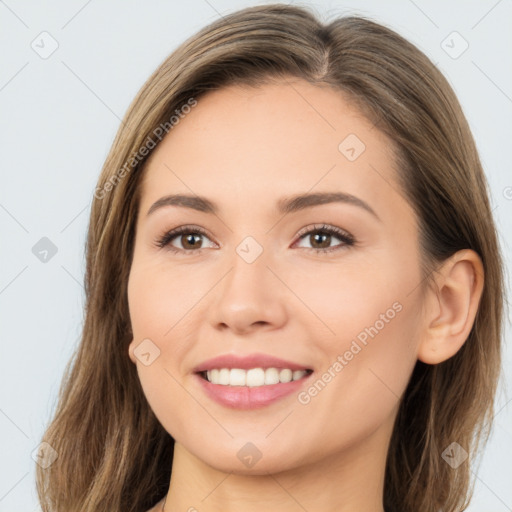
[(59, 117)]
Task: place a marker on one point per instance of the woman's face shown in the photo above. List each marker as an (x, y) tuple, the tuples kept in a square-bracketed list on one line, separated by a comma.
[(264, 278)]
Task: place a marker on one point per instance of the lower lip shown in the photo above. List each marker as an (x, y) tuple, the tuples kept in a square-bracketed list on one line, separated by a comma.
[(245, 397)]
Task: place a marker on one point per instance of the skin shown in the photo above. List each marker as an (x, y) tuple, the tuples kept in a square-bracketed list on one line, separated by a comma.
[(291, 302)]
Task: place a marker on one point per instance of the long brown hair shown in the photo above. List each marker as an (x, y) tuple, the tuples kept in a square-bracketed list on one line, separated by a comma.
[(113, 454)]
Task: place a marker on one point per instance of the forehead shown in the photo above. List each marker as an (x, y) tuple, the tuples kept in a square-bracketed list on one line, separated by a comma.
[(240, 144)]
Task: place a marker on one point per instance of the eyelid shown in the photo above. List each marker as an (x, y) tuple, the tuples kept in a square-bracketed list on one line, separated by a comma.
[(347, 240), (164, 241), (324, 227)]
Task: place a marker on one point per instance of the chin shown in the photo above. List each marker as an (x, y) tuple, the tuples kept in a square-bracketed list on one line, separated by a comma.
[(247, 458)]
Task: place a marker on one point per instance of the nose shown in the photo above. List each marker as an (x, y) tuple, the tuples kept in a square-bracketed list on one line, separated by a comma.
[(250, 296)]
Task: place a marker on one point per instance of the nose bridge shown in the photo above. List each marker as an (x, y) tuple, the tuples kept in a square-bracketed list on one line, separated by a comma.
[(250, 292), (249, 265)]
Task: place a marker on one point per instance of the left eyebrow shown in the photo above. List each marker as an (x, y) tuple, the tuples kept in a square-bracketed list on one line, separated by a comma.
[(284, 205), (302, 201)]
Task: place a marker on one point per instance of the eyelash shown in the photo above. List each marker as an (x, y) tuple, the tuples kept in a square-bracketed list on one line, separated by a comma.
[(347, 239)]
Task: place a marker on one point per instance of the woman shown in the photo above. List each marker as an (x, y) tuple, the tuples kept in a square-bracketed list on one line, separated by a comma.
[(294, 285)]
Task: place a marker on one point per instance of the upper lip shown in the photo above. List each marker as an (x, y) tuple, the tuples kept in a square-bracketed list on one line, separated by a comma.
[(247, 362)]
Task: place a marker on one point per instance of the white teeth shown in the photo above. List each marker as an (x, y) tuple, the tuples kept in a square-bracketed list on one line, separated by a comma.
[(254, 377), (224, 376), (271, 376), (298, 374), (237, 377), (285, 375)]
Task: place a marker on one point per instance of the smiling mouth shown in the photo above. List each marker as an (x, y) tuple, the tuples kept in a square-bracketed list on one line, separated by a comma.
[(254, 377)]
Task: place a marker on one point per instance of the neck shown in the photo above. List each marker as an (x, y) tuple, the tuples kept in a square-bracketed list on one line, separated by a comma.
[(342, 482)]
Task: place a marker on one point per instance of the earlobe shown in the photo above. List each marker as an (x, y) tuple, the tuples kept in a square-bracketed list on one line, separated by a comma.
[(131, 348), (452, 306)]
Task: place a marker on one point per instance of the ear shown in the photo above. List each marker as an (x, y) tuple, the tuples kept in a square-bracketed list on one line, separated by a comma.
[(131, 348), (451, 306)]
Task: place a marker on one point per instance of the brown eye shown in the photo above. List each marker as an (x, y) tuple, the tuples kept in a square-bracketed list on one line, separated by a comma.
[(190, 238), (324, 240), (190, 241), (321, 237)]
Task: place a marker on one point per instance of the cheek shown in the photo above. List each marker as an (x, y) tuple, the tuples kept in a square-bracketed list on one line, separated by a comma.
[(159, 300), (350, 297), (371, 322), (365, 374), (161, 310)]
